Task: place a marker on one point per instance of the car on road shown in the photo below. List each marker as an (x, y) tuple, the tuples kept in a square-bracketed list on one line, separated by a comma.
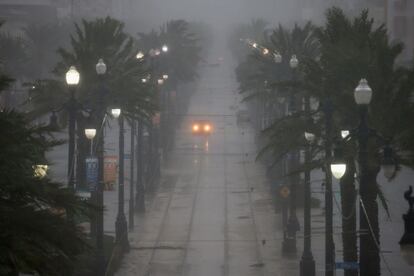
[(201, 127)]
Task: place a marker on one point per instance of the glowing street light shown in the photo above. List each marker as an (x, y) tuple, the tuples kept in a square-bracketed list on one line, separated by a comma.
[(345, 133), (72, 76), (100, 67), (40, 171), (140, 55), (294, 62), (116, 112), (363, 93), (90, 134), (164, 48), (338, 165), (310, 137)]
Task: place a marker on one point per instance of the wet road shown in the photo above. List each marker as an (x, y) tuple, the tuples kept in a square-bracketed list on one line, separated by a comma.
[(213, 213)]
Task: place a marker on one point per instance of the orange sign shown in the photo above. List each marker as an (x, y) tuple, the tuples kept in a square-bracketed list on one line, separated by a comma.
[(284, 191), (156, 119), (110, 171)]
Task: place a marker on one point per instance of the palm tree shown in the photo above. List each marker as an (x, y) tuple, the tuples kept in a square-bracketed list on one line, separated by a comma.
[(37, 237), (350, 50), (101, 38)]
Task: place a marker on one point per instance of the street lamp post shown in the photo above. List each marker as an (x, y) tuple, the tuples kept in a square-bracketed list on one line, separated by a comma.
[(131, 181), (121, 228), (72, 79), (98, 195), (289, 244), (369, 252), (140, 194), (329, 243), (307, 263)]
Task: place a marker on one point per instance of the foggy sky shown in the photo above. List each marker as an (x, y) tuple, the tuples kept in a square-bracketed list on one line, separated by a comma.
[(217, 12)]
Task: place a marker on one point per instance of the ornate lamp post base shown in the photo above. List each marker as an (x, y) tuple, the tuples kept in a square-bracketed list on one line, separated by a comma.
[(121, 232), (307, 265)]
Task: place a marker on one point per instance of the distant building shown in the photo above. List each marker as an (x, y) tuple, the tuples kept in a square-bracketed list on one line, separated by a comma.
[(400, 23)]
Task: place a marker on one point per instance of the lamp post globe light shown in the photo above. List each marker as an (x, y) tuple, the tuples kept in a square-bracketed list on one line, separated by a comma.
[(345, 133), (293, 62), (100, 67), (121, 226), (116, 112), (363, 93), (40, 171), (72, 76), (277, 57), (90, 134), (72, 80), (164, 48), (140, 55), (310, 137), (338, 165)]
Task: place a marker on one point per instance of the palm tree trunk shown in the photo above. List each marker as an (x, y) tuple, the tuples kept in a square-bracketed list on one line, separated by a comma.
[(348, 203)]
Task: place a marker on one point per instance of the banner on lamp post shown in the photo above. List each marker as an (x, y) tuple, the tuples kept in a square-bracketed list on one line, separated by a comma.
[(92, 173), (156, 119)]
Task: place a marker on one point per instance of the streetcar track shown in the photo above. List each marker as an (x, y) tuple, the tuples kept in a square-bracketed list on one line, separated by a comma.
[(160, 232), (226, 223), (252, 214), (190, 228)]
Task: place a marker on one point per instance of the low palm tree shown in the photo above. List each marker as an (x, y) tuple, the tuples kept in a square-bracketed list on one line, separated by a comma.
[(37, 237)]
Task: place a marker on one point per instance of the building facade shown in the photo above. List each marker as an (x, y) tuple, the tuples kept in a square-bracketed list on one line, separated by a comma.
[(400, 23)]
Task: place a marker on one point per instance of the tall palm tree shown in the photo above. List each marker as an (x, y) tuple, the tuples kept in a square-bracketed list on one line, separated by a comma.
[(350, 50), (36, 237), (101, 38)]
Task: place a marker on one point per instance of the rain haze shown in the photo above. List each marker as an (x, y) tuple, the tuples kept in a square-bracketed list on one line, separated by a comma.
[(204, 138), (215, 12)]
